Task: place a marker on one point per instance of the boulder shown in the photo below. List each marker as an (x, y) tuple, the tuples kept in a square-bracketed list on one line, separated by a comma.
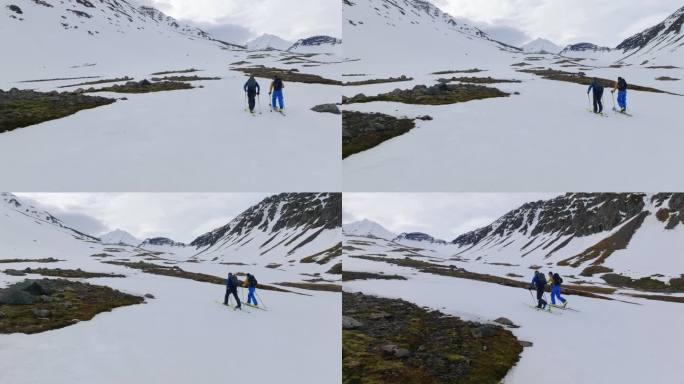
[(506, 322), (41, 313), (149, 296), (327, 108), (16, 297), (394, 350), (349, 322), (525, 344)]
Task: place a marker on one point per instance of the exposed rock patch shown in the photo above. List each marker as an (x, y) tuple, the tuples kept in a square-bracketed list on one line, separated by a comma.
[(34, 306), (440, 94), (409, 344), (327, 108), (362, 131), (292, 75), (22, 108)]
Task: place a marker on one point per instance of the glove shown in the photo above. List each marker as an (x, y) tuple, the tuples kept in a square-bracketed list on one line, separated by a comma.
[(257, 93), (613, 91), (269, 93)]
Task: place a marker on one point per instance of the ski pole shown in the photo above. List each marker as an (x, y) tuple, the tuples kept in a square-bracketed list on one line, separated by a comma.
[(260, 299), (530, 291)]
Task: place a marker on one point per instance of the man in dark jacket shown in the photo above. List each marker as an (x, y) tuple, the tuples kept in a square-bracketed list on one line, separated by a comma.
[(598, 95), (252, 89), (232, 283), (539, 283), (251, 289)]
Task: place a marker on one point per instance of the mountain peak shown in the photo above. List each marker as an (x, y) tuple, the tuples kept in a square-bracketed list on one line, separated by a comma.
[(368, 228), (540, 45), (119, 237), (268, 41)]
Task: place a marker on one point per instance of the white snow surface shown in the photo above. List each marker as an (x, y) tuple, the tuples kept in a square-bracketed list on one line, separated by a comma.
[(182, 335), (541, 139), (197, 140)]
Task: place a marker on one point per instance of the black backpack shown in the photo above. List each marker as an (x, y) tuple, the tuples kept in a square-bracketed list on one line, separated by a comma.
[(557, 279), (277, 84), (234, 281), (622, 84)]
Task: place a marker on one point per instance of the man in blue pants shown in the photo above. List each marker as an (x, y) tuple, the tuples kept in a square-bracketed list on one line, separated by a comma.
[(621, 87), (277, 94), (555, 280), (251, 288)]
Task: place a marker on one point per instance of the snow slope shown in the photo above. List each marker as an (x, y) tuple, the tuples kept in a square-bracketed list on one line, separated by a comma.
[(182, 335), (189, 140), (505, 143)]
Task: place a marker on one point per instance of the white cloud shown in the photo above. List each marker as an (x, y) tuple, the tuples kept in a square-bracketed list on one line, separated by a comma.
[(180, 216), (443, 215), (604, 22), (290, 20)]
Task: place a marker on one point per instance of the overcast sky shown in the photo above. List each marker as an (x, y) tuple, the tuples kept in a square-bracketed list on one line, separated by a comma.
[(179, 216), (241, 20), (603, 22), (442, 215)]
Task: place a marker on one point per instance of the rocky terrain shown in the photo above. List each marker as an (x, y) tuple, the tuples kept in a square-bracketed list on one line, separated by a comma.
[(389, 341)]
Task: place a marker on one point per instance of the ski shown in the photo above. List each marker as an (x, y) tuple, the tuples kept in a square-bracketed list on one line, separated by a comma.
[(622, 113), (254, 306), (592, 112), (563, 308), (544, 310), (233, 307)]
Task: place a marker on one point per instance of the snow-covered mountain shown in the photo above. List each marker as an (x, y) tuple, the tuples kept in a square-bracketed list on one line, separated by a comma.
[(119, 237), (268, 41), (407, 31), (634, 233), (284, 226), (29, 232), (418, 237), (160, 242), (367, 228), (660, 43), (58, 35), (317, 44), (584, 50), (540, 45)]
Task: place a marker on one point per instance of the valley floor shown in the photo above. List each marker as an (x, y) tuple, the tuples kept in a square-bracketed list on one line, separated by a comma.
[(542, 139), (182, 335), (603, 341)]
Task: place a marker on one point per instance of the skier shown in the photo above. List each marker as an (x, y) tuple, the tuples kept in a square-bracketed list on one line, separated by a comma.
[(251, 288), (232, 283), (555, 280), (252, 89), (539, 283), (621, 87), (598, 95), (277, 94)]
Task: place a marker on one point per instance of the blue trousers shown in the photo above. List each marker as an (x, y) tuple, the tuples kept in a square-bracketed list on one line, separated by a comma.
[(250, 295), (277, 96), (556, 292), (622, 99)]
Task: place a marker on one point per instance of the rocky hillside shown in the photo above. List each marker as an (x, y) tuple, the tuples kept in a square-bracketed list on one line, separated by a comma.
[(628, 231), (161, 242), (583, 47), (665, 36), (316, 44), (282, 224), (418, 236)]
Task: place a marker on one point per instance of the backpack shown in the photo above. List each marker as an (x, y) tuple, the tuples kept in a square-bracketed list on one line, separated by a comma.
[(622, 84), (254, 281), (557, 279), (234, 281), (277, 84)]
